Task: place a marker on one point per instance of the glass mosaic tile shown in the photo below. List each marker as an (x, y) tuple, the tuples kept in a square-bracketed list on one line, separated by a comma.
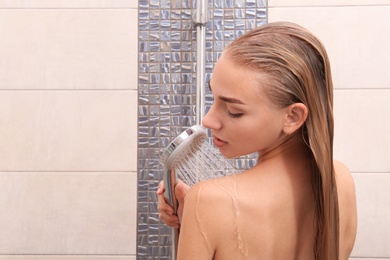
[(167, 92)]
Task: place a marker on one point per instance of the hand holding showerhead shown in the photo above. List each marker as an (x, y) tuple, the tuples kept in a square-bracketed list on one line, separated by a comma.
[(190, 158), (165, 210)]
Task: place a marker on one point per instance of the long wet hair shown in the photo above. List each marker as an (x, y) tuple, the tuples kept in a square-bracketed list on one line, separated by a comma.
[(298, 67)]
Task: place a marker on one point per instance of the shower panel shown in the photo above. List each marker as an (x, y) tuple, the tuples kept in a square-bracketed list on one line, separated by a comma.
[(200, 22)]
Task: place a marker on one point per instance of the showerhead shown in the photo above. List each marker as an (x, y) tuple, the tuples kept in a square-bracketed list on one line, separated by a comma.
[(184, 143), (182, 146), (192, 159)]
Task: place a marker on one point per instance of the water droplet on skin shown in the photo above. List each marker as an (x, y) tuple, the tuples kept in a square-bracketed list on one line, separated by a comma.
[(202, 161)]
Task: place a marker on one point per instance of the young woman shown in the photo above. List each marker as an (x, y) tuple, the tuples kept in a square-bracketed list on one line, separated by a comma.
[(273, 95)]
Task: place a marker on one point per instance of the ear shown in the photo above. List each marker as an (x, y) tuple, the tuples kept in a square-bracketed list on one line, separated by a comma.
[(296, 115)]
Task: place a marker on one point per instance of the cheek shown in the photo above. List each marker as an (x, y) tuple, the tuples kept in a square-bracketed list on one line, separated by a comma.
[(256, 135), (246, 136)]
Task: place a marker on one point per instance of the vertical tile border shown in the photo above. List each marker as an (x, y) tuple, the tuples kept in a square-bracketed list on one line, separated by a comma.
[(167, 91)]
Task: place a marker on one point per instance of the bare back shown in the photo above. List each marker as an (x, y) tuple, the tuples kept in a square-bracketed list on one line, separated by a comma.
[(263, 213)]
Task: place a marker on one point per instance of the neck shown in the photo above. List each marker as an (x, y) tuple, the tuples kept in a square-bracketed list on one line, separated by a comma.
[(290, 147)]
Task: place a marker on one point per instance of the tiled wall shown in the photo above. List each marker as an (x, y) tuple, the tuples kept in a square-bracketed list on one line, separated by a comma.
[(357, 37), (68, 117), (167, 91), (68, 129)]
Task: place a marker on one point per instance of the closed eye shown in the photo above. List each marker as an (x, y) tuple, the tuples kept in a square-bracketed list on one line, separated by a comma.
[(235, 115)]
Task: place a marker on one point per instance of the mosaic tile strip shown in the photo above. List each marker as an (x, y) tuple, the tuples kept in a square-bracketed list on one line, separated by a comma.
[(167, 91)]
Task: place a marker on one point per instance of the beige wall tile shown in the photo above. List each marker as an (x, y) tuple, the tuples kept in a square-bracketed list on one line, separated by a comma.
[(68, 130), (373, 196), (68, 49), (300, 3), (68, 4), (68, 213), (357, 40), (46, 51), (362, 127)]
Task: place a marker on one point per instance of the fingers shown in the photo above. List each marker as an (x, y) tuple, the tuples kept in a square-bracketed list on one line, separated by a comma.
[(165, 210), (160, 188), (180, 191), (163, 206), (166, 214), (169, 220)]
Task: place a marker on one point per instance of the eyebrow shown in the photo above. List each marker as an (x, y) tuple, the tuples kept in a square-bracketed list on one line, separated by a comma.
[(227, 99), (231, 100)]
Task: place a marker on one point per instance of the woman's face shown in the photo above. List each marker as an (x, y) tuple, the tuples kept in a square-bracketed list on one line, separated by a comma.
[(242, 119)]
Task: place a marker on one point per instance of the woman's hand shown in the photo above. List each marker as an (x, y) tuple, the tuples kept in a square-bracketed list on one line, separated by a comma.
[(165, 210)]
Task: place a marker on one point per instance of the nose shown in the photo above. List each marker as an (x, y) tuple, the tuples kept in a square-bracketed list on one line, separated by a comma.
[(210, 120)]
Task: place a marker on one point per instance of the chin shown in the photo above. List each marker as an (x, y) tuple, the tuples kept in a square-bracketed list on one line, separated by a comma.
[(228, 154)]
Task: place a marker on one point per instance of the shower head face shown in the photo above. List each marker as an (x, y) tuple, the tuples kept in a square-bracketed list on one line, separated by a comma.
[(182, 144), (190, 158)]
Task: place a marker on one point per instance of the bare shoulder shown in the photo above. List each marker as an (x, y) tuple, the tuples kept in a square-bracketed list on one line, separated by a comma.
[(343, 175), (213, 189), (212, 198), (203, 202), (347, 208), (202, 225), (345, 188)]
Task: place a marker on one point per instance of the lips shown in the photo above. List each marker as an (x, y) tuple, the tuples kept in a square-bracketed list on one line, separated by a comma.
[(218, 142)]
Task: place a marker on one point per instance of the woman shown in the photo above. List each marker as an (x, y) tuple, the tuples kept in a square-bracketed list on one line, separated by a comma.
[(273, 95)]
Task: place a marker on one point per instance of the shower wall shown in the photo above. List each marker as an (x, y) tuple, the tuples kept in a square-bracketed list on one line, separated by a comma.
[(167, 91)]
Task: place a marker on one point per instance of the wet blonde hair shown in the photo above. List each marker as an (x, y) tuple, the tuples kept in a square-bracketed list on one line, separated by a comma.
[(299, 71)]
